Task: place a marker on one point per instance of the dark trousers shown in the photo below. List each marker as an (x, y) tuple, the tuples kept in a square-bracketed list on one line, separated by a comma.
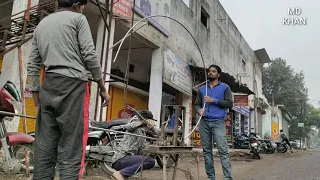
[(61, 128), (129, 164), (286, 140)]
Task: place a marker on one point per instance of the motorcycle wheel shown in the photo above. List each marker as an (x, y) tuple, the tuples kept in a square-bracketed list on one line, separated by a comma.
[(283, 150), (256, 154), (170, 161), (105, 166), (273, 150), (18, 152)]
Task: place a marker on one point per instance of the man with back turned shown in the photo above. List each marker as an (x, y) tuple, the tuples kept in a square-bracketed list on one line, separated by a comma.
[(63, 44)]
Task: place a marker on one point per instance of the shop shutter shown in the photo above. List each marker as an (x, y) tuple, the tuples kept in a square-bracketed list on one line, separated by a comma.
[(135, 100)]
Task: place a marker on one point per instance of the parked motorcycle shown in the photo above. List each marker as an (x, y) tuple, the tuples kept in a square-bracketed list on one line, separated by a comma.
[(14, 144), (268, 146), (240, 141), (102, 143), (282, 147), (255, 145)]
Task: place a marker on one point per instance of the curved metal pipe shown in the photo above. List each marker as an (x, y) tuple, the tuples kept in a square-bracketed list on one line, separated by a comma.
[(205, 73)]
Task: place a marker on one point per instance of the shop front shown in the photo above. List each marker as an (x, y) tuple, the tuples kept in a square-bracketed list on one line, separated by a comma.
[(241, 111), (241, 120), (176, 90), (116, 108)]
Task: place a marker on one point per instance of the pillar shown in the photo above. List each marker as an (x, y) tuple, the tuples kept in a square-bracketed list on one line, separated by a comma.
[(155, 90), (252, 122), (108, 70), (187, 103)]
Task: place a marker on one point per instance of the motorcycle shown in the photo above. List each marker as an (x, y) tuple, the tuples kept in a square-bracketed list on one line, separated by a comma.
[(268, 146), (101, 144), (282, 147), (240, 142), (255, 145), (14, 144)]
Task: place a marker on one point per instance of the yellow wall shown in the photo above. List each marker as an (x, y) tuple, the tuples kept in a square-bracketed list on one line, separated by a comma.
[(275, 130), (135, 100), (30, 110)]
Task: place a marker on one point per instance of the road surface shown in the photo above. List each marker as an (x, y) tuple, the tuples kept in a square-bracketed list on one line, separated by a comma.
[(300, 165), (306, 167)]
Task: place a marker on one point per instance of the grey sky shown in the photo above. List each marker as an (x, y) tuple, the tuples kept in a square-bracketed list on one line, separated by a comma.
[(260, 23)]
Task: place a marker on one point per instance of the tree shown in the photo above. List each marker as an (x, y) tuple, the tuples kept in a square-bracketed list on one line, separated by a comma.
[(286, 87)]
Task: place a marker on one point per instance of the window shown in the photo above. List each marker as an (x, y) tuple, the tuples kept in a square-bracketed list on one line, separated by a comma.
[(204, 17), (243, 65)]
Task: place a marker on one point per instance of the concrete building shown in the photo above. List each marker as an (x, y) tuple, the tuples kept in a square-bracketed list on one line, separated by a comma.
[(166, 63)]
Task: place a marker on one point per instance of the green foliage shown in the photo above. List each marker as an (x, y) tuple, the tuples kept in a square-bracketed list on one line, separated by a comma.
[(288, 88)]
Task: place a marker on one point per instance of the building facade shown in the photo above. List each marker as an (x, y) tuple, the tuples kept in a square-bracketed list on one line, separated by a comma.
[(165, 62)]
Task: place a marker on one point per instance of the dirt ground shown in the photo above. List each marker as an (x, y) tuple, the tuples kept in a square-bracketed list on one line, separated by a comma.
[(242, 166)]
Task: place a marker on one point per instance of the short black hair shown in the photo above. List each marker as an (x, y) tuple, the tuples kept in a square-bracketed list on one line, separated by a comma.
[(69, 3), (144, 113), (281, 130), (216, 67)]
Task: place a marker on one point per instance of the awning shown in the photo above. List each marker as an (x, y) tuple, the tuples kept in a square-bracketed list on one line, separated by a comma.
[(262, 55), (235, 86)]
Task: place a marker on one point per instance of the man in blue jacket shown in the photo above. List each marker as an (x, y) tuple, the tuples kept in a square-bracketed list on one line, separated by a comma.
[(212, 126)]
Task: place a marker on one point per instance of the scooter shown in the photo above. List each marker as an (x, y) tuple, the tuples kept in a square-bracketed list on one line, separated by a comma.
[(14, 144), (255, 145)]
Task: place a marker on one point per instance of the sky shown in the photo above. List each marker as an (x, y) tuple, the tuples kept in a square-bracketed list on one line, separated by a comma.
[(261, 24)]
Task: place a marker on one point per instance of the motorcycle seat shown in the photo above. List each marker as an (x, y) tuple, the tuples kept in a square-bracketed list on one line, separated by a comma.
[(108, 125)]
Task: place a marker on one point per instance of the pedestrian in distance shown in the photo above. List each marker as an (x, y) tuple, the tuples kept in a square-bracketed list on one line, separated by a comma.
[(285, 139), (212, 125)]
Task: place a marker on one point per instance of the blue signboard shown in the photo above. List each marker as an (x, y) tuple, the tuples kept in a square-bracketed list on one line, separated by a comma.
[(245, 110)]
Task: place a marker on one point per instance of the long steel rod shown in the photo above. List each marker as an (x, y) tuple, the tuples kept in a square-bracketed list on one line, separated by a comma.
[(103, 16), (127, 75), (2, 4), (96, 128), (16, 45), (121, 132), (202, 58), (115, 44), (101, 62), (18, 115), (108, 45)]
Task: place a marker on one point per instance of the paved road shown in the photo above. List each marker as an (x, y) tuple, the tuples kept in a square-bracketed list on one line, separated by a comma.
[(305, 167)]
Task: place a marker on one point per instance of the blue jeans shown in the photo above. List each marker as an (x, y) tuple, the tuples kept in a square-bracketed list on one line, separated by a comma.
[(216, 130), (129, 164)]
